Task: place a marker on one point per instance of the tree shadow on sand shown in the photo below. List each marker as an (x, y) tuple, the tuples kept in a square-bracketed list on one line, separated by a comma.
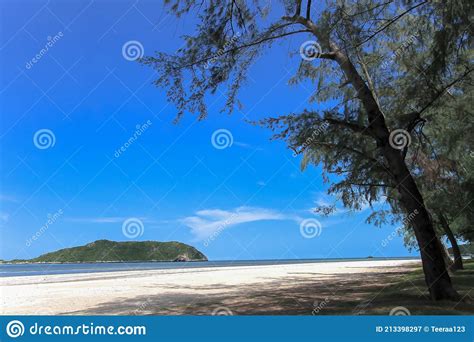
[(374, 293)]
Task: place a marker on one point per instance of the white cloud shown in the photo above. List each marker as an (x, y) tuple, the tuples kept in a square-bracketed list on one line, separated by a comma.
[(206, 222)]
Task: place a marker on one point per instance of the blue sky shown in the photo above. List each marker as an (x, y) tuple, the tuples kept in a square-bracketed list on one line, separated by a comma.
[(246, 201)]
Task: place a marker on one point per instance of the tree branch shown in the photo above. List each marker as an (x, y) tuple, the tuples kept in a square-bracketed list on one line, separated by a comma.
[(298, 8), (308, 10), (350, 149), (370, 184), (353, 126), (443, 90), (367, 76), (246, 46), (239, 12), (417, 115), (391, 21)]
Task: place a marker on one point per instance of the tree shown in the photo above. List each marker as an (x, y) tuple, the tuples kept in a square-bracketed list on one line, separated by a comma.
[(365, 139), (445, 168)]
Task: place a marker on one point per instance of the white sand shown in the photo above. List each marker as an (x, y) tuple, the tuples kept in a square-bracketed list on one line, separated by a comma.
[(177, 291)]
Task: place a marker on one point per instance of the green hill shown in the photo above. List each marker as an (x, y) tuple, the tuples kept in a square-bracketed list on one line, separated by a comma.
[(105, 250)]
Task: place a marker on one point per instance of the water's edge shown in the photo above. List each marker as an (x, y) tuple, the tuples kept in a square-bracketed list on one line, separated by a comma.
[(15, 270)]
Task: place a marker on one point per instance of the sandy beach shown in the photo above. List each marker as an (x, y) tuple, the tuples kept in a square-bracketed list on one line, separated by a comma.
[(279, 289)]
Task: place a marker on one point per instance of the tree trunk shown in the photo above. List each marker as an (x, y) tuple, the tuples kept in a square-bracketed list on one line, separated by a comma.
[(447, 259), (436, 274), (434, 267), (457, 265)]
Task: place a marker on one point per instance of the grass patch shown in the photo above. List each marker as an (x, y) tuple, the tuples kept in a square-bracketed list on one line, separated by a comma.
[(410, 292)]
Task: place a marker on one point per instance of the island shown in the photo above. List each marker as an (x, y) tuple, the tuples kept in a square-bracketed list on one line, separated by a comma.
[(128, 251)]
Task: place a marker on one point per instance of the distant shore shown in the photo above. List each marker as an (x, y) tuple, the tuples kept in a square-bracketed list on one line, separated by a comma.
[(265, 289), (89, 262)]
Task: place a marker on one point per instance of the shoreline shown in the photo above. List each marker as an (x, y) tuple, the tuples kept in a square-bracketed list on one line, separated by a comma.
[(210, 261), (46, 269), (197, 290)]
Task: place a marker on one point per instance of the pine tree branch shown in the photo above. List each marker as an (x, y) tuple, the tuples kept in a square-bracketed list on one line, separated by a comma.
[(390, 22), (443, 90), (298, 7), (308, 10), (247, 46), (353, 126), (417, 114)]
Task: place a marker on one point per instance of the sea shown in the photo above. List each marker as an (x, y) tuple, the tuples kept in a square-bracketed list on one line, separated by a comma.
[(16, 270)]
